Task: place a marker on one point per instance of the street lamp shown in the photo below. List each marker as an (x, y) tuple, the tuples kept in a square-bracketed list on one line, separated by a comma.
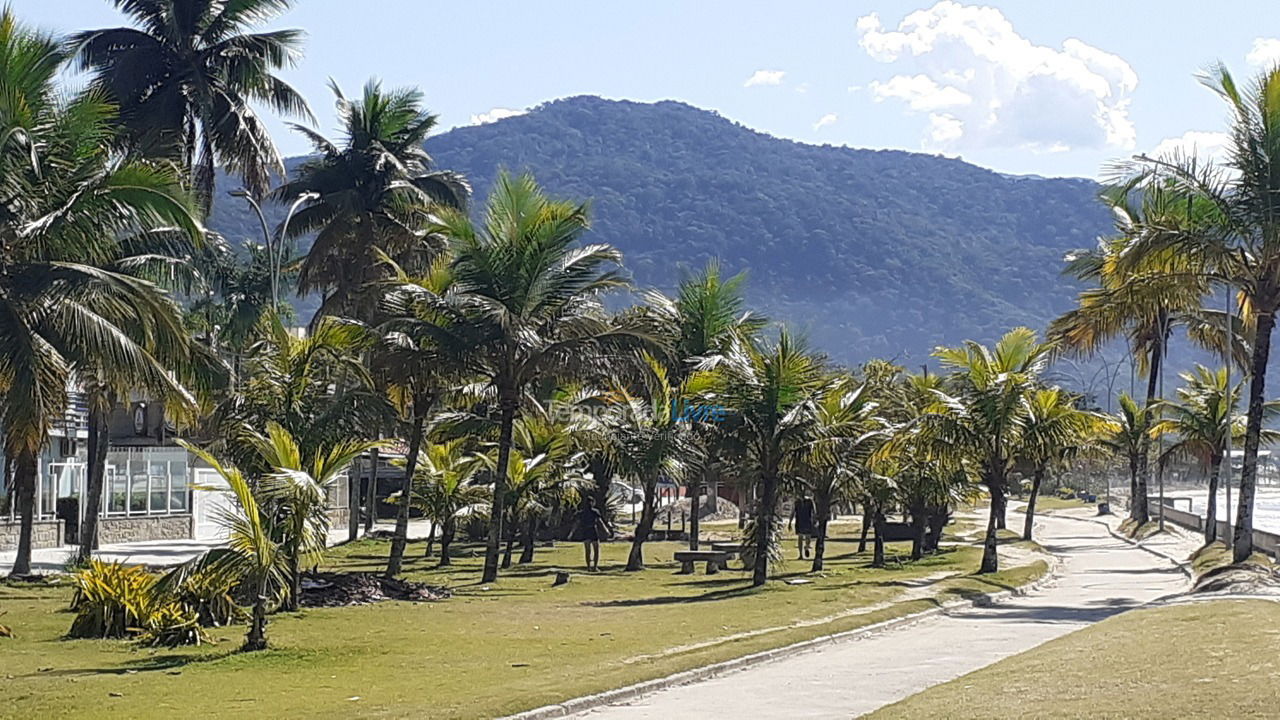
[(275, 250)]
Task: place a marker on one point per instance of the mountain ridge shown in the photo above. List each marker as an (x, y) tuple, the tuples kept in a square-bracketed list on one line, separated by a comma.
[(870, 252)]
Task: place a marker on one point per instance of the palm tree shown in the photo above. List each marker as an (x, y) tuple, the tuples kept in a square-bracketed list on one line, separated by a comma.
[(526, 301), (1141, 301), (68, 201), (645, 441), (1239, 246), (374, 195), (1203, 420), (253, 553), (296, 489), (444, 488), (186, 77), (768, 391), (843, 435), (983, 414), (1054, 430), (1126, 434), (707, 314)]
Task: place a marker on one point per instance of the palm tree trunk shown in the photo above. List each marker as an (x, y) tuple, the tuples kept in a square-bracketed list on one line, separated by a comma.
[(295, 582), (401, 538), (446, 539), (24, 481), (1242, 541), (1000, 507), (257, 637), (648, 514), (1211, 511), (937, 523), (764, 526), (530, 538), (99, 438), (990, 560), (920, 528), (507, 420), (511, 544), (820, 541), (1036, 479), (866, 525), (877, 555), (371, 494), (431, 538), (695, 502), (1139, 508)]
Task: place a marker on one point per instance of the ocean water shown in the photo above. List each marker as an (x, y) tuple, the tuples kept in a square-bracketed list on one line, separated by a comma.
[(1266, 504)]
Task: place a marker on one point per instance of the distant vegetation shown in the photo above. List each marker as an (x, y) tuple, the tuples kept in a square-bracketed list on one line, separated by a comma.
[(869, 253)]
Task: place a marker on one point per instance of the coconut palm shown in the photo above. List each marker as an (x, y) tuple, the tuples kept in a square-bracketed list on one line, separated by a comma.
[(706, 315), (983, 413), (373, 193), (1204, 422), (1142, 302), (69, 201), (296, 490), (526, 302), (1054, 431), (186, 76), (444, 488), (844, 431), (646, 441), (1241, 246), (1126, 434), (768, 392), (254, 553)]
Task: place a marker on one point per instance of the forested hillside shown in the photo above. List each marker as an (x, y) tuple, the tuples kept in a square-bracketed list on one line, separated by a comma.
[(871, 253)]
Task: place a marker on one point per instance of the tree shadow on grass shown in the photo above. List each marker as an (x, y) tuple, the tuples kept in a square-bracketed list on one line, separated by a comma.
[(711, 596), (153, 663)]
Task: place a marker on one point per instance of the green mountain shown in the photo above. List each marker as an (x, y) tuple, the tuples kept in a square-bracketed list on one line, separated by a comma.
[(870, 253)]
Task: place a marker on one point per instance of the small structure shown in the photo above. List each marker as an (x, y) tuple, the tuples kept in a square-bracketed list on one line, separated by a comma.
[(715, 559)]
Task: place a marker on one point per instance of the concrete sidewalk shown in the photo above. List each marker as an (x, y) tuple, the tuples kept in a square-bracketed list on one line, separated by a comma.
[(1100, 576), (165, 553)]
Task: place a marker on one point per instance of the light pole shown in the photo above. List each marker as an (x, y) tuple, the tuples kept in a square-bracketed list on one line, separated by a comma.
[(1228, 356), (275, 249)]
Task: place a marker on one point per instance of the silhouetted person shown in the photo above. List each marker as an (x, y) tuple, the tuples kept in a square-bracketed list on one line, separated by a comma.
[(802, 516), (591, 527)]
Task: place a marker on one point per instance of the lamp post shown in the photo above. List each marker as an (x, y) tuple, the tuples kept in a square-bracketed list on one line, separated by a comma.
[(275, 249)]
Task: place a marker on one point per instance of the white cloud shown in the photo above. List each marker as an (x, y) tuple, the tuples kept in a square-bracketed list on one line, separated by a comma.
[(802, 88), (920, 92), (984, 85), (1265, 52), (765, 77), (494, 115), (825, 120), (1204, 145)]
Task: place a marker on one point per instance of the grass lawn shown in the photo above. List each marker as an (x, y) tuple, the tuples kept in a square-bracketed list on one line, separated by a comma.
[(487, 651), (1202, 660), (1050, 502)]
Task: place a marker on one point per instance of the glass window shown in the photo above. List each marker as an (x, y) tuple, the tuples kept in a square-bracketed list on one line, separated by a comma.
[(137, 487), (117, 485), (178, 486), (48, 490), (159, 477)]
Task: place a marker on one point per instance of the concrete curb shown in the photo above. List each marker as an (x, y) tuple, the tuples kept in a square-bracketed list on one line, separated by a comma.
[(631, 692), (1182, 565)]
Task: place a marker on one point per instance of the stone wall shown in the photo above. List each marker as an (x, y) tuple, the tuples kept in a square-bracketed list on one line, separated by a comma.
[(136, 529), (44, 534)]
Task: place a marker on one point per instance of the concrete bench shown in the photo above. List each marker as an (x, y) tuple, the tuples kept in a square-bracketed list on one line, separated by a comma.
[(715, 560)]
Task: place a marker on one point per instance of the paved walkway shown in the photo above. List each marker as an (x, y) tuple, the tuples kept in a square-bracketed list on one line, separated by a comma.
[(163, 553), (1100, 576)]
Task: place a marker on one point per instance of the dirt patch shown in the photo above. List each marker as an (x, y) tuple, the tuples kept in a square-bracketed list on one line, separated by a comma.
[(343, 589)]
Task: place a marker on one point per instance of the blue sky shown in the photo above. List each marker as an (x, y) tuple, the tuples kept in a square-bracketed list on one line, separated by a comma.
[(1022, 87)]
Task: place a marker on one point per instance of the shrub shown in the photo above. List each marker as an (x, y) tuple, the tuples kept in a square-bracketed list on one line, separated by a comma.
[(205, 591), (113, 600)]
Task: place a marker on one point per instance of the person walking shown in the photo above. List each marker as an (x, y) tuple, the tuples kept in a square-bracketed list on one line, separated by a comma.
[(802, 516), (591, 527)]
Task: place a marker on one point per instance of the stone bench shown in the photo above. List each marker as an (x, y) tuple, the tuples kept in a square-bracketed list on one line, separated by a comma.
[(715, 560)]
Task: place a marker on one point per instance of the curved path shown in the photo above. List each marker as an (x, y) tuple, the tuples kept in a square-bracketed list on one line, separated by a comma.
[(1099, 577)]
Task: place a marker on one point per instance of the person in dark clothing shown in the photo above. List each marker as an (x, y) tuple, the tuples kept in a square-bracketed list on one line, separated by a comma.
[(802, 516), (591, 527)]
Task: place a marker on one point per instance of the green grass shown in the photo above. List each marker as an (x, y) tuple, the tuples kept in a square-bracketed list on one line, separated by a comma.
[(1217, 554), (487, 651), (1201, 660)]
